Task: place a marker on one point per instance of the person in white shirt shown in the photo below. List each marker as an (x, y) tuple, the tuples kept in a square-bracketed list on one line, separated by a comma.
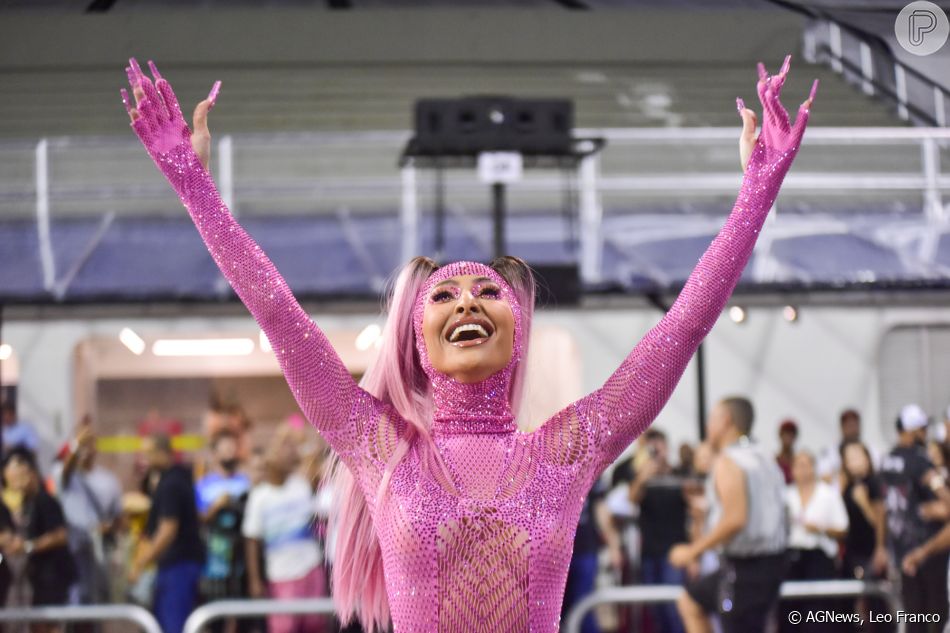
[(91, 497), (818, 520), (280, 517)]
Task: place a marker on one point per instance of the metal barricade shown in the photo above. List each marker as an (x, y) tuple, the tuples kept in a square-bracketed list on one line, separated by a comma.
[(205, 614), (85, 613), (646, 594)]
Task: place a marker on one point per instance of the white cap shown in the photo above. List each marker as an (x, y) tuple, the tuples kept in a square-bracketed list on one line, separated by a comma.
[(913, 418)]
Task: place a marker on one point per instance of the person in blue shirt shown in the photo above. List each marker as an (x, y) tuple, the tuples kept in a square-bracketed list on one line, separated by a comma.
[(220, 497), (17, 432)]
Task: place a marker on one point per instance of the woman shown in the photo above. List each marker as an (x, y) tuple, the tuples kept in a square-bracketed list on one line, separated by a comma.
[(471, 520), (42, 537), (865, 552), (818, 521)]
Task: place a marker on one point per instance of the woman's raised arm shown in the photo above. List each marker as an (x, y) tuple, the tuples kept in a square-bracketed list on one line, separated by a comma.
[(323, 387), (635, 393)]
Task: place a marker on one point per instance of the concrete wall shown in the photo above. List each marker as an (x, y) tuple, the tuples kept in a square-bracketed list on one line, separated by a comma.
[(36, 40)]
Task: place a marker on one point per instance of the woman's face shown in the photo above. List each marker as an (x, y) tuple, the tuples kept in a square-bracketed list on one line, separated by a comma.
[(856, 462), (468, 328), (803, 469), (18, 475)]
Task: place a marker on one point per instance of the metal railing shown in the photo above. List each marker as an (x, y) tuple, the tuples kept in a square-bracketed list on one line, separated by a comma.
[(201, 617), (867, 59), (85, 613), (651, 594), (204, 615), (335, 173)]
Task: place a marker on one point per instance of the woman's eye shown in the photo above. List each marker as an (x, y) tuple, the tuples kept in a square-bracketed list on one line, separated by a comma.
[(442, 295), (490, 291)]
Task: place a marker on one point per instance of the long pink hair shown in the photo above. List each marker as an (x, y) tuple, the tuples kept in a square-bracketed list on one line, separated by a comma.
[(397, 378)]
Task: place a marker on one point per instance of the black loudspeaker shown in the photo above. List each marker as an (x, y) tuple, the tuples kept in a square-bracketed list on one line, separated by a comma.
[(470, 125), (557, 285)]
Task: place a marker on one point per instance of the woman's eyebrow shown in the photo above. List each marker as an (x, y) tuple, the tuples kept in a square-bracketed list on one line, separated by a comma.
[(455, 281)]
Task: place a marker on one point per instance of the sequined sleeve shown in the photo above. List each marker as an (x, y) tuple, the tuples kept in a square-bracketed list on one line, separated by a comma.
[(323, 387), (631, 398)]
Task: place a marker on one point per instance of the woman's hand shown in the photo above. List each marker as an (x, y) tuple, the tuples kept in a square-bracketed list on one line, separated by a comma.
[(879, 561), (157, 118), (778, 135)]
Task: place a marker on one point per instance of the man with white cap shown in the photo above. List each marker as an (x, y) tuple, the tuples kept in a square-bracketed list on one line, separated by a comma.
[(912, 487)]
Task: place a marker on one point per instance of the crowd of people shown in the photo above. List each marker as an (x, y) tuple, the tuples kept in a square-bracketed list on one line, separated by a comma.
[(731, 521), (728, 522), (233, 522)]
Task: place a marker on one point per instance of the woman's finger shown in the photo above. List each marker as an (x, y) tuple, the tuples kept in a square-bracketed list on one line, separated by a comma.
[(152, 67), (801, 119), (125, 100), (777, 111), (200, 118), (776, 82), (763, 74), (804, 111), (151, 93), (148, 117), (745, 114), (132, 112), (165, 90), (775, 85), (749, 122), (762, 86), (213, 95), (134, 84), (765, 98), (171, 101)]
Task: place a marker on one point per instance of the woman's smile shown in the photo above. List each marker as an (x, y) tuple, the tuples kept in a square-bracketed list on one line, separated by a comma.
[(469, 331)]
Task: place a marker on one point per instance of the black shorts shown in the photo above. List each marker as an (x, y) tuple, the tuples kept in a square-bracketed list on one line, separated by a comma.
[(742, 591), (50, 594)]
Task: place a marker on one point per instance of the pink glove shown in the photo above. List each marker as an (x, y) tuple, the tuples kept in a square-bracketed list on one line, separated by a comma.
[(159, 123), (779, 140)]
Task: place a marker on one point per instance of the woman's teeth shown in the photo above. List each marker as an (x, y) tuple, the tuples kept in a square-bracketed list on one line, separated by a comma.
[(468, 327)]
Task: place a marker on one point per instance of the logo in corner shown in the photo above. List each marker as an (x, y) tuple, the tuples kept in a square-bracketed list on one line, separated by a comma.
[(922, 28)]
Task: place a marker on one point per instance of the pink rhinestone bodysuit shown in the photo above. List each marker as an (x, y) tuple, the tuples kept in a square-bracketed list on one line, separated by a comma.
[(488, 551)]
